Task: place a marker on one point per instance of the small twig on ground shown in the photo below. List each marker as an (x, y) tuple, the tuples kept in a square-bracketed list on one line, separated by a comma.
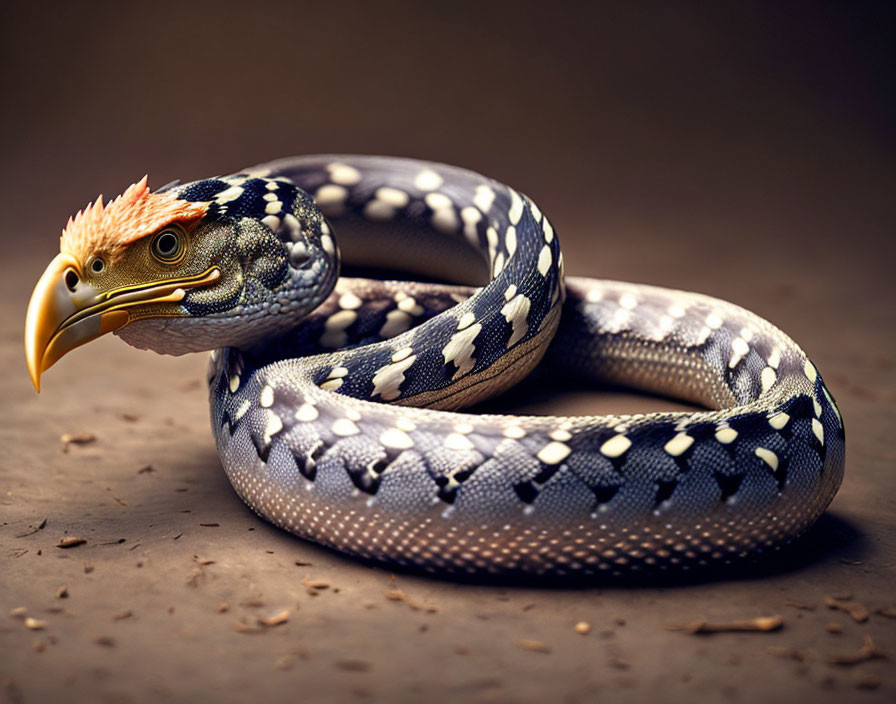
[(856, 610), (868, 651), (762, 624)]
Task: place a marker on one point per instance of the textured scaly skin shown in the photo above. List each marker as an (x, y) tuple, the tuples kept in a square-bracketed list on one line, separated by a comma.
[(308, 443)]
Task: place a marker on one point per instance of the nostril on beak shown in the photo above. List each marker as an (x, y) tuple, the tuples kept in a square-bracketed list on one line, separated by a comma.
[(71, 280)]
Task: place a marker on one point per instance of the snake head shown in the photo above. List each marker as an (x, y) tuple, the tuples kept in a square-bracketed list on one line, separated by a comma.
[(214, 263)]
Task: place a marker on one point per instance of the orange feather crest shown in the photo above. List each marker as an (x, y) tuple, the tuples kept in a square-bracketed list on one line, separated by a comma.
[(108, 229)]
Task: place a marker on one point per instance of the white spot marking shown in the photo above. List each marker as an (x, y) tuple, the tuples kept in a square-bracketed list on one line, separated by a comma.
[(428, 180), (242, 410), (392, 196), (678, 445), (514, 432), (409, 305), (740, 349), (344, 427), (676, 311), (273, 207), (779, 420), (405, 424), (491, 235), (515, 313), (335, 326), (396, 439), (272, 427), (713, 321), (622, 316), (561, 435), (234, 383), (499, 265), (292, 222), (401, 354), (306, 413), (331, 199), (628, 301), (228, 195), (438, 201), (554, 453), (378, 211), (703, 335), (388, 380), (726, 435), (536, 211), (510, 241), (349, 301), (344, 174), (445, 220), (615, 446), (456, 441), (544, 260), (767, 378), (385, 204), (272, 221), (397, 321), (266, 399), (466, 320), (460, 349), (471, 217), (516, 207), (767, 456), (483, 198), (818, 429), (810, 371), (827, 395)]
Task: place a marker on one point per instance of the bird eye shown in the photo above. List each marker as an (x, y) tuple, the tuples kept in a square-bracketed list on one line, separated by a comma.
[(168, 246), (97, 266)]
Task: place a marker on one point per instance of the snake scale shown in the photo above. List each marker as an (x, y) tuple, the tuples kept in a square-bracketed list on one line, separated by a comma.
[(334, 405)]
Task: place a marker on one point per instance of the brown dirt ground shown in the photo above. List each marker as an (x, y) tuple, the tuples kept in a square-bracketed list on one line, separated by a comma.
[(752, 184)]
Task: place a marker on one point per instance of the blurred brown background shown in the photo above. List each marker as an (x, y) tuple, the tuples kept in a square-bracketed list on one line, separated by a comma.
[(745, 150)]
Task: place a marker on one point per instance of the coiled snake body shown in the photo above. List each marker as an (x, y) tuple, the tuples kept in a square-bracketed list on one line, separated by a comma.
[(308, 443)]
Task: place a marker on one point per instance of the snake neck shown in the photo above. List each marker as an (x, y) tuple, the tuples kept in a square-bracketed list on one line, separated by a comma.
[(277, 261)]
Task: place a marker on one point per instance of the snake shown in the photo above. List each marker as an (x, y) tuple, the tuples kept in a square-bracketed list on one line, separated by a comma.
[(337, 402)]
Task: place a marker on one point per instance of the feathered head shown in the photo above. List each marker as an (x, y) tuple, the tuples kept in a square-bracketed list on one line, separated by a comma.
[(136, 213)]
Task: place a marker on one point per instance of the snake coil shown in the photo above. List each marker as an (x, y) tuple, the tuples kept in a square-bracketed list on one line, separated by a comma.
[(308, 443)]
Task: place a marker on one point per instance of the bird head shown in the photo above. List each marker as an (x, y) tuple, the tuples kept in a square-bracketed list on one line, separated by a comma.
[(214, 263)]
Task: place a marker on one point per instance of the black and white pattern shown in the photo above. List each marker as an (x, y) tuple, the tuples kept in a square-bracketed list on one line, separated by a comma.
[(308, 439)]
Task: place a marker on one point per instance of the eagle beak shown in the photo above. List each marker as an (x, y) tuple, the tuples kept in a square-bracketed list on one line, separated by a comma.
[(65, 312)]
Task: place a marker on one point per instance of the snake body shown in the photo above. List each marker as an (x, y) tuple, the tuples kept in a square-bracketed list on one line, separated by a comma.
[(331, 429)]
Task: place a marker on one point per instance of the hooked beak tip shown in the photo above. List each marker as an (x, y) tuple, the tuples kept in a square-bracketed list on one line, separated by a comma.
[(45, 314), (62, 316)]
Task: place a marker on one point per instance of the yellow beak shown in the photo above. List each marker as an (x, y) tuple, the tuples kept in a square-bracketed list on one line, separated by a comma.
[(65, 312)]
